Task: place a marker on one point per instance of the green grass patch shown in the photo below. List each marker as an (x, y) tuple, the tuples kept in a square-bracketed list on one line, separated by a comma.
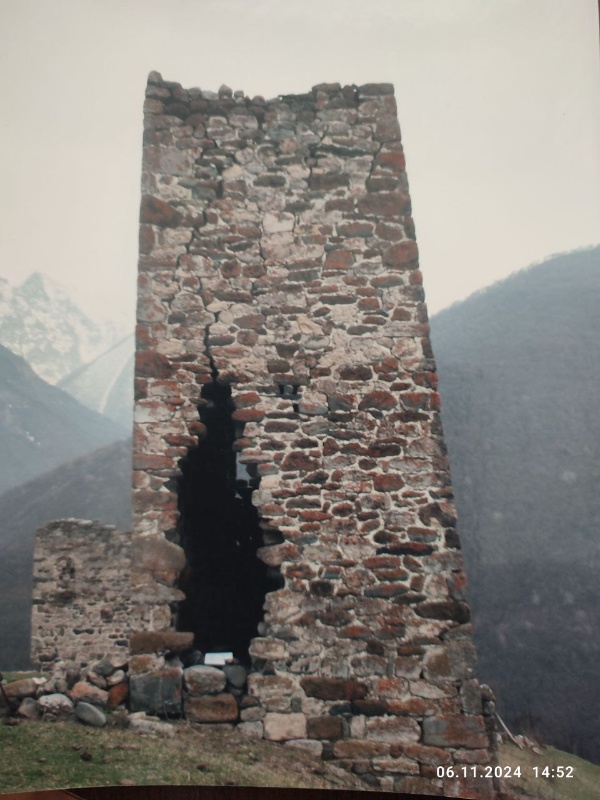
[(584, 785), (45, 755), (17, 675)]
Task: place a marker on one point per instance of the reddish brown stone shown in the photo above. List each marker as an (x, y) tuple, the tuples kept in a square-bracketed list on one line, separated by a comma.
[(402, 315), (211, 708), (157, 212), (116, 695), (382, 183), (384, 281), (334, 688), (324, 728), (383, 401), (160, 642), (149, 364), (356, 373), (248, 414), (246, 399), (17, 690), (356, 229), (356, 631), (403, 254), (339, 260), (299, 461), (389, 482), (392, 159), (252, 321), (84, 691), (370, 707), (146, 239), (149, 461)]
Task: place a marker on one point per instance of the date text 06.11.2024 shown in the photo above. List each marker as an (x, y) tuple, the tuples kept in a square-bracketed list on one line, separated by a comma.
[(503, 772)]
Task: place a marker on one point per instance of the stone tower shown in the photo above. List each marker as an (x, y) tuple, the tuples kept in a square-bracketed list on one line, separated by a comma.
[(290, 474)]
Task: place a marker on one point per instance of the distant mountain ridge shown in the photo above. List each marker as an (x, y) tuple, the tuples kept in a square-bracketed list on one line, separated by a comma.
[(519, 373), (40, 322), (42, 426)]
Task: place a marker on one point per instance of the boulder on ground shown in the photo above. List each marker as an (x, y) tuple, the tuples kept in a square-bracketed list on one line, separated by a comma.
[(90, 715), (56, 705)]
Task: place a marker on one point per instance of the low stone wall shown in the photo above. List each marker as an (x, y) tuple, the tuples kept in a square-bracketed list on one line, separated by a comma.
[(81, 587), (152, 688)]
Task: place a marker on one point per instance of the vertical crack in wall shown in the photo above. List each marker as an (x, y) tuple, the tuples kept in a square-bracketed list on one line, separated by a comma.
[(220, 531)]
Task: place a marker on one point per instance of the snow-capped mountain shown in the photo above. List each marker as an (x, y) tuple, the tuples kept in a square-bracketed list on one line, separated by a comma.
[(40, 322)]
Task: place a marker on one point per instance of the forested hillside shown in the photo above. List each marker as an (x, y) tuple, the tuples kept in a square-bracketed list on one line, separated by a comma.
[(519, 368)]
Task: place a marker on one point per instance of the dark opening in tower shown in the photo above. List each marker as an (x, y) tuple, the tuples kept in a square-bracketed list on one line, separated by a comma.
[(224, 581)]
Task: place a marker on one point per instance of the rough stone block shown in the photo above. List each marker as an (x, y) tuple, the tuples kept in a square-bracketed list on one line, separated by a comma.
[(454, 731), (17, 690), (211, 708), (164, 560), (269, 649), (86, 692), (393, 729), (274, 691), (254, 714), (334, 688), (117, 694), (236, 675), (280, 727), (146, 642), (254, 729), (159, 692), (204, 680), (453, 661), (325, 728), (310, 746)]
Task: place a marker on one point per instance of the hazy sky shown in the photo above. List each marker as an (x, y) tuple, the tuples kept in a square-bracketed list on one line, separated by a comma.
[(498, 101)]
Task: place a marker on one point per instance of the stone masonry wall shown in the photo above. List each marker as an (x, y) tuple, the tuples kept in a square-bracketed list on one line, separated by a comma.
[(81, 608), (278, 255)]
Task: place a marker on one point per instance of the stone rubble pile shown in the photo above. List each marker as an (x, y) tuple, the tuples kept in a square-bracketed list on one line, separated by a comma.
[(145, 687)]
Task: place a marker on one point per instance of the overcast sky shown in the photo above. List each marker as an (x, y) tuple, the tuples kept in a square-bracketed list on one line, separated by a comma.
[(499, 105)]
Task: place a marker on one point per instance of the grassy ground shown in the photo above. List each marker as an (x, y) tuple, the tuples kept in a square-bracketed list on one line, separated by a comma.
[(584, 785), (43, 755)]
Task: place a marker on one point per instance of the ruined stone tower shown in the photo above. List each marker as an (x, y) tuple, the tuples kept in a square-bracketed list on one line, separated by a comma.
[(287, 409), (292, 498)]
